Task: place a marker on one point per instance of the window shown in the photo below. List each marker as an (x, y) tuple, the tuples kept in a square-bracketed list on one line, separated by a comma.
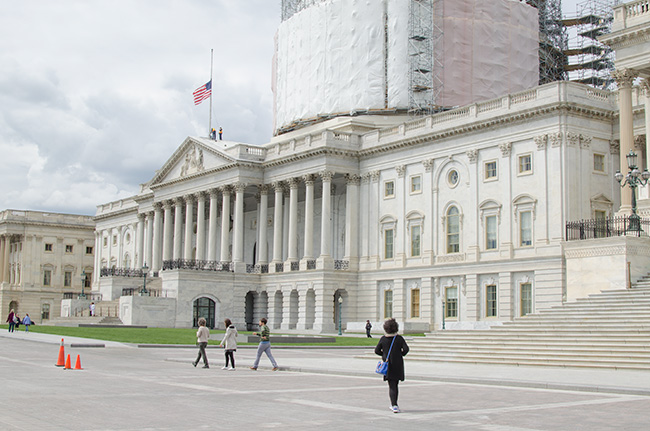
[(45, 311), (416, 184), (525, 164), (525, 229), (453, 230), (128, 238), (415, 303), (48, 247), (415, 240), (47, 277), (388, 243), (67, 279), (491, 170), (599, 163), (451, 301), (491, 232), (526, 295), (114, 239), (388, 304), (105, 241), (491, 300), (389, 189), (89, 250), (89, 278), (68, 248), (453, 178)]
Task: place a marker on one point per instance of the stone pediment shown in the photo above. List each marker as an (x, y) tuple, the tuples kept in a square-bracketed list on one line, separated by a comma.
[(194, 156)]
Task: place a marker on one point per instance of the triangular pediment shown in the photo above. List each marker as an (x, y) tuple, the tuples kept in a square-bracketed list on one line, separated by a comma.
[(194, 156)]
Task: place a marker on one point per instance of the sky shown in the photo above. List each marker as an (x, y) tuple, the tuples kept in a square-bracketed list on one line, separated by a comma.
[(95, 95)]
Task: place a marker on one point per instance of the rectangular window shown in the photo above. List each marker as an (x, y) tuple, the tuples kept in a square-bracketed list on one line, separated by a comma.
[(491, 232), (89, 277), (491, 300), (48, 247), (389, 189), (602, 228), (451, 302), (89, 250), (525, 164), (388, 304), (105, 241), (67, 279), (114, 239), (599, 162), (453, 232), (526, 294), (47, 277), (45, 311), (526, 229), (416, 184), (68, 248), (415, 303), (415, 240), (388, 244), (490, 170)]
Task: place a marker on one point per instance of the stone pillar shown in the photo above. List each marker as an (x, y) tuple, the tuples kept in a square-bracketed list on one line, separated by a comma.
[(352, 220), (156, 257), (261, 223), (140, 242), (302, 308), (7, 265), (120, 247), (200, 226), (2, 253), (178, 228), (645, 85), (148, 245), (292, 255), (324, 314), (286, 308), (96, 259), (225, 225), (277, 226), (189, 227), (309, 219), (167, 232), (325, 260), (273, 320), (238, 227), (624, 79), (212, 228)]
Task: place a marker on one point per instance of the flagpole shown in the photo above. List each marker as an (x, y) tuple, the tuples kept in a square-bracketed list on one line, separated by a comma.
[(210, 122)]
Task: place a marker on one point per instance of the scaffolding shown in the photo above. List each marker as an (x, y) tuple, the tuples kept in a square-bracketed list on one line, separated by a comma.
[(292, 7), (590, 61), (552, 40), (425, 56)]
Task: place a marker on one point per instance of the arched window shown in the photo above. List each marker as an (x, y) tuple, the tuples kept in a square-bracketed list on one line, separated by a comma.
[(453, 230), (204, 307)]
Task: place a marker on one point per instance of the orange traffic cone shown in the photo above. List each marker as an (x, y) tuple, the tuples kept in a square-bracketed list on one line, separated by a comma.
[(61, 361), (67, 364), (77, 366)]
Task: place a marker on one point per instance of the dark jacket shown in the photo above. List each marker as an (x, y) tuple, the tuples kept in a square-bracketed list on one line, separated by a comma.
[(396, 360)]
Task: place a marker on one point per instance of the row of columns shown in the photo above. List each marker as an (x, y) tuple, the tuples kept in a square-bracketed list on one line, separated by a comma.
[(5, 266)]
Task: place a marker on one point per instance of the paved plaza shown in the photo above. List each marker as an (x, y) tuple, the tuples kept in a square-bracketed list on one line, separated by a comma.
[(123, 387)]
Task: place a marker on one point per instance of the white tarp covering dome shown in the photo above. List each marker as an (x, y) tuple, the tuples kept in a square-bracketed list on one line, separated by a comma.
[(339, 56)]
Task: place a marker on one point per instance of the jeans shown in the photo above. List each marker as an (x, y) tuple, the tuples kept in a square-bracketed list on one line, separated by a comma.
[(264, 347), (202, 347), (11, 326)]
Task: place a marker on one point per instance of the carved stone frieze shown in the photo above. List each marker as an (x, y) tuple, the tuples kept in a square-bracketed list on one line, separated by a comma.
[(401, 170), (639, 142), (555, 139), (352, 179), (428, 165), (374, 175), (585, 141), (541, 141), (615, 146), (572, 138), (193, 161), (472, 155), (506, 149), (624, 78)]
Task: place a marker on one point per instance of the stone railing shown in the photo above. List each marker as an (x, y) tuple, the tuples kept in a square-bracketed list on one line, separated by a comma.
[(631, 14)]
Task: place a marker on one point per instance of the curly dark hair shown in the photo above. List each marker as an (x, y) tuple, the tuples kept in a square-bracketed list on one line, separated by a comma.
[(391, 326)]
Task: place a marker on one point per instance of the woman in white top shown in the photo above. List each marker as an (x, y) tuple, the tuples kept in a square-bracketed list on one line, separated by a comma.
[(202, 336), (230, 343)]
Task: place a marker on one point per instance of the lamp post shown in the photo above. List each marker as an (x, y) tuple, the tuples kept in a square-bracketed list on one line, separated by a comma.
[(443, 313), (340, 308), (634, 179), (145, 270), (83, 284)]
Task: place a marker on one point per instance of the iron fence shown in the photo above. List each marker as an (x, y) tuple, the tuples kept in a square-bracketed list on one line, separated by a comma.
[(608, 227), (120, 272), (199, 265)]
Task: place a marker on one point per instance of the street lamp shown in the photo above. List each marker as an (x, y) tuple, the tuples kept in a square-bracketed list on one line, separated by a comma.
[(443, 313), (83, 284), (145, 270), (340, 307), (634, 179)]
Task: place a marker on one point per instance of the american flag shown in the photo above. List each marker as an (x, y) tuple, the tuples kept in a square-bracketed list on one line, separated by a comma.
[(202, 93)]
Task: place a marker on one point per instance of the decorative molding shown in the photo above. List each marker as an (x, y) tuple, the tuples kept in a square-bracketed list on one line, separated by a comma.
[(193, 161), (452, 258), (263, 189), (309, 179), (639, 142), (428, 165), (326, 176), (572, 138), (615, 146), (401, 170), (555, 139), (541, 141), (374, 176), (585, 141), (506, 149), (472, 155), (352, 179), (645, 87), (625, 78)]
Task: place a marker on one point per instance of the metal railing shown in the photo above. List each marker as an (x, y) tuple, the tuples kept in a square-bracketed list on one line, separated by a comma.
[(341, 265), (605, 228), (120, 272), (311, 264), (199, 265)]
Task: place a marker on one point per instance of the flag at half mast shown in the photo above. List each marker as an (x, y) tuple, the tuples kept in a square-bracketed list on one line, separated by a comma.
[(202, 93)]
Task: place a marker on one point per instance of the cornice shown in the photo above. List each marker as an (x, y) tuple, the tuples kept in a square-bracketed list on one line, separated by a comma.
[(116, 213), (323, 151), (235, 165), (628, 37)]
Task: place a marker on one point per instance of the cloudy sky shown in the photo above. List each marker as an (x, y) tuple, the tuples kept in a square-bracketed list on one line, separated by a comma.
[(95, 95)]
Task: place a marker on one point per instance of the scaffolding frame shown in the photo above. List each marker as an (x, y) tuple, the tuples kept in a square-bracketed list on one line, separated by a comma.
[(552, 40), (292, 7)]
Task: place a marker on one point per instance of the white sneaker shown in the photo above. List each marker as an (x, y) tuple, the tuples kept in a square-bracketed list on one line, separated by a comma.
[(395, 409), (224, 368), (231, 369)]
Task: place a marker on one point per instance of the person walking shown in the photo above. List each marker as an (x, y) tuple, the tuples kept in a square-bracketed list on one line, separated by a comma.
[(27, 321), (92, 309), (230, 343), (202, 336), (395, 360), (213, 134), (264, 346), (11, 320), (368, 328)]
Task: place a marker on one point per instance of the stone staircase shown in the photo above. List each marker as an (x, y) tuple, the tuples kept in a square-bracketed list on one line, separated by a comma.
[(106, 313), (610, 329)]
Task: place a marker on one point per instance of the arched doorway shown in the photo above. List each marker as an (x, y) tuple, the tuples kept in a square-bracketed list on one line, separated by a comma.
[(250, 311), (204, 307), (13, 305)]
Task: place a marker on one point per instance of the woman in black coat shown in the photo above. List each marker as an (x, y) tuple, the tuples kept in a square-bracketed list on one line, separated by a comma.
[(395, 361)]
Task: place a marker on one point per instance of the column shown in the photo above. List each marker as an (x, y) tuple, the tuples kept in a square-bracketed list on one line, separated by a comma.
[(238, 226), (156, 254), (7, 266), (2, 253), (178, 228), (324, 313), (325, 260), (309, 221), (292, 255), (225, 225), (120, 246), (140, 242), (212, 225), (167, 232), (264, 209), (645, 85), (189, 227), (302, 308), (148, 244), (624, 79), (286, 308), (96, 259), (352, 220), (277, 226), (200, 226)]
